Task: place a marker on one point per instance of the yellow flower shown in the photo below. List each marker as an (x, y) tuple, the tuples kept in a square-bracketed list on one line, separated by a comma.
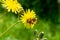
[(12, 5), (29, 18)]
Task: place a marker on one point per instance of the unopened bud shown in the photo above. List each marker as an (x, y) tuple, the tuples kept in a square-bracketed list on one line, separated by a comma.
[(35, 31), (41, 35), (37, 38)]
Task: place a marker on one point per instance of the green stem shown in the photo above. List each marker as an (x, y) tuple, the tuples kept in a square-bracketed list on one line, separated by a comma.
[(8, 29), (3, 15)]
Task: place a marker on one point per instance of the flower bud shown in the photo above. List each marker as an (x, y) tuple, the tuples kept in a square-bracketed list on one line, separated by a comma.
[(35, 31), (41, 35)]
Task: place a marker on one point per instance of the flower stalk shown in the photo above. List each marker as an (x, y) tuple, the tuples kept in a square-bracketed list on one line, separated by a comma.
[(8, 29)]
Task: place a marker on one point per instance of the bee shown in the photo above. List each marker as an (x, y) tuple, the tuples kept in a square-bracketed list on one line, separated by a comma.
[(31, 20)]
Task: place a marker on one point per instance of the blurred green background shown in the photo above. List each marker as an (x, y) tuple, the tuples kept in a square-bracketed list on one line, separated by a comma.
[(48, 21)]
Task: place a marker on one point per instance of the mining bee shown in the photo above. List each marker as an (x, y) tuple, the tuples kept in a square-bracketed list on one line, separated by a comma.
[(31, 20)]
